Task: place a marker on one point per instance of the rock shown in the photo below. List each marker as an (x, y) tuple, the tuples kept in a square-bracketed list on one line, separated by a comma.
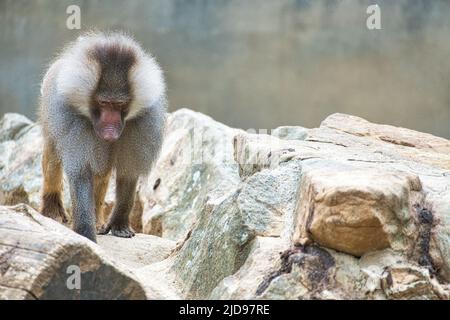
[(390, 134), (356, 210), (357, 146), (195, 164), (216, 248), (406, 282), (159, 281), (349, 210), (290, 133), (306, 271), (13, 126), (38, 256), (372, 265), (267, 200), (296, 273), (245, 282), (149, 258), (137, 252), (6, 149), (254, 152), (21, 177), (263, 205), (435, 236)]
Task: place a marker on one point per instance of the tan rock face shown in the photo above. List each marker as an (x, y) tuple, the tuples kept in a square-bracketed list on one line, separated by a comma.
[(354, 210), (390, 134)]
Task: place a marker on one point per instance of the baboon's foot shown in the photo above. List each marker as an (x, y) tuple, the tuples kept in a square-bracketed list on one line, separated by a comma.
[(117, 230)]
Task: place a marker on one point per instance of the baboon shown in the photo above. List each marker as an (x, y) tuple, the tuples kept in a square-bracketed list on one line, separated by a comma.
[(102, 108)]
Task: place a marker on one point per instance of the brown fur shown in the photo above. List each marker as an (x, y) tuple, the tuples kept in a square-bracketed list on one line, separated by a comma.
[(52, 206), (51, 198), (100, 188)]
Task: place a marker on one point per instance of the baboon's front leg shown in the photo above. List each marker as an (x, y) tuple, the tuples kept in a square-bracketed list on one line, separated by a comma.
[(100, 188), (82, 194)]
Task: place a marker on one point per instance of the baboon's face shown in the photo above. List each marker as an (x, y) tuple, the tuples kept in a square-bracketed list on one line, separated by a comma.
[(112, 97), (108, 115)]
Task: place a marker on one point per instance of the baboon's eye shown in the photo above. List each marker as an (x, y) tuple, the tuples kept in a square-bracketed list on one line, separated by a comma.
[(103, 102), (96, 112)]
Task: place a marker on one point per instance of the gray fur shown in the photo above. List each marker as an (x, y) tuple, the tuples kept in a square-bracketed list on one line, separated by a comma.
[(84, 155)]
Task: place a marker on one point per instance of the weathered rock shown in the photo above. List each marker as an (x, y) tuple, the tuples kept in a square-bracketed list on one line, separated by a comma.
[(390, 134), (290, 133), (149, 258), (216, 248), (262, 205), (136, 252), (261, 261), (195, 164), (21, 177), (254, 152), (13, 126), (342, 155), (356, 210), (349, 210), (373, 191), (401, 153), (307, 271), (159, 281), (38, 256), (267, 200), (406, 282), (433, 244)]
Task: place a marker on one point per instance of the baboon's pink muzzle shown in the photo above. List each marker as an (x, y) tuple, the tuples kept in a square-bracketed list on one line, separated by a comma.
[(110, 124)]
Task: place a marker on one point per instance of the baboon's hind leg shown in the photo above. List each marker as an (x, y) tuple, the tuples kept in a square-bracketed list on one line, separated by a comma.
[(100, 188), (118, 222), (52, 206)]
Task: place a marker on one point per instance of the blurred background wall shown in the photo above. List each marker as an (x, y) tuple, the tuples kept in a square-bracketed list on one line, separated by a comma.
[(257, 64)]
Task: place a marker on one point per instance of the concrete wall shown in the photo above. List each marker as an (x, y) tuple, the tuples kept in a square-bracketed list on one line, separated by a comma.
[(257, 64)]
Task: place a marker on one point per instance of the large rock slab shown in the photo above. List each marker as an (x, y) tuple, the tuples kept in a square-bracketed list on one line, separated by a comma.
[(195, 164), (357, 209), (39, 258), (260, 264), (386, 133), (21, 173), (378, 194), (137, 252), (13, 126), (219, 244)]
